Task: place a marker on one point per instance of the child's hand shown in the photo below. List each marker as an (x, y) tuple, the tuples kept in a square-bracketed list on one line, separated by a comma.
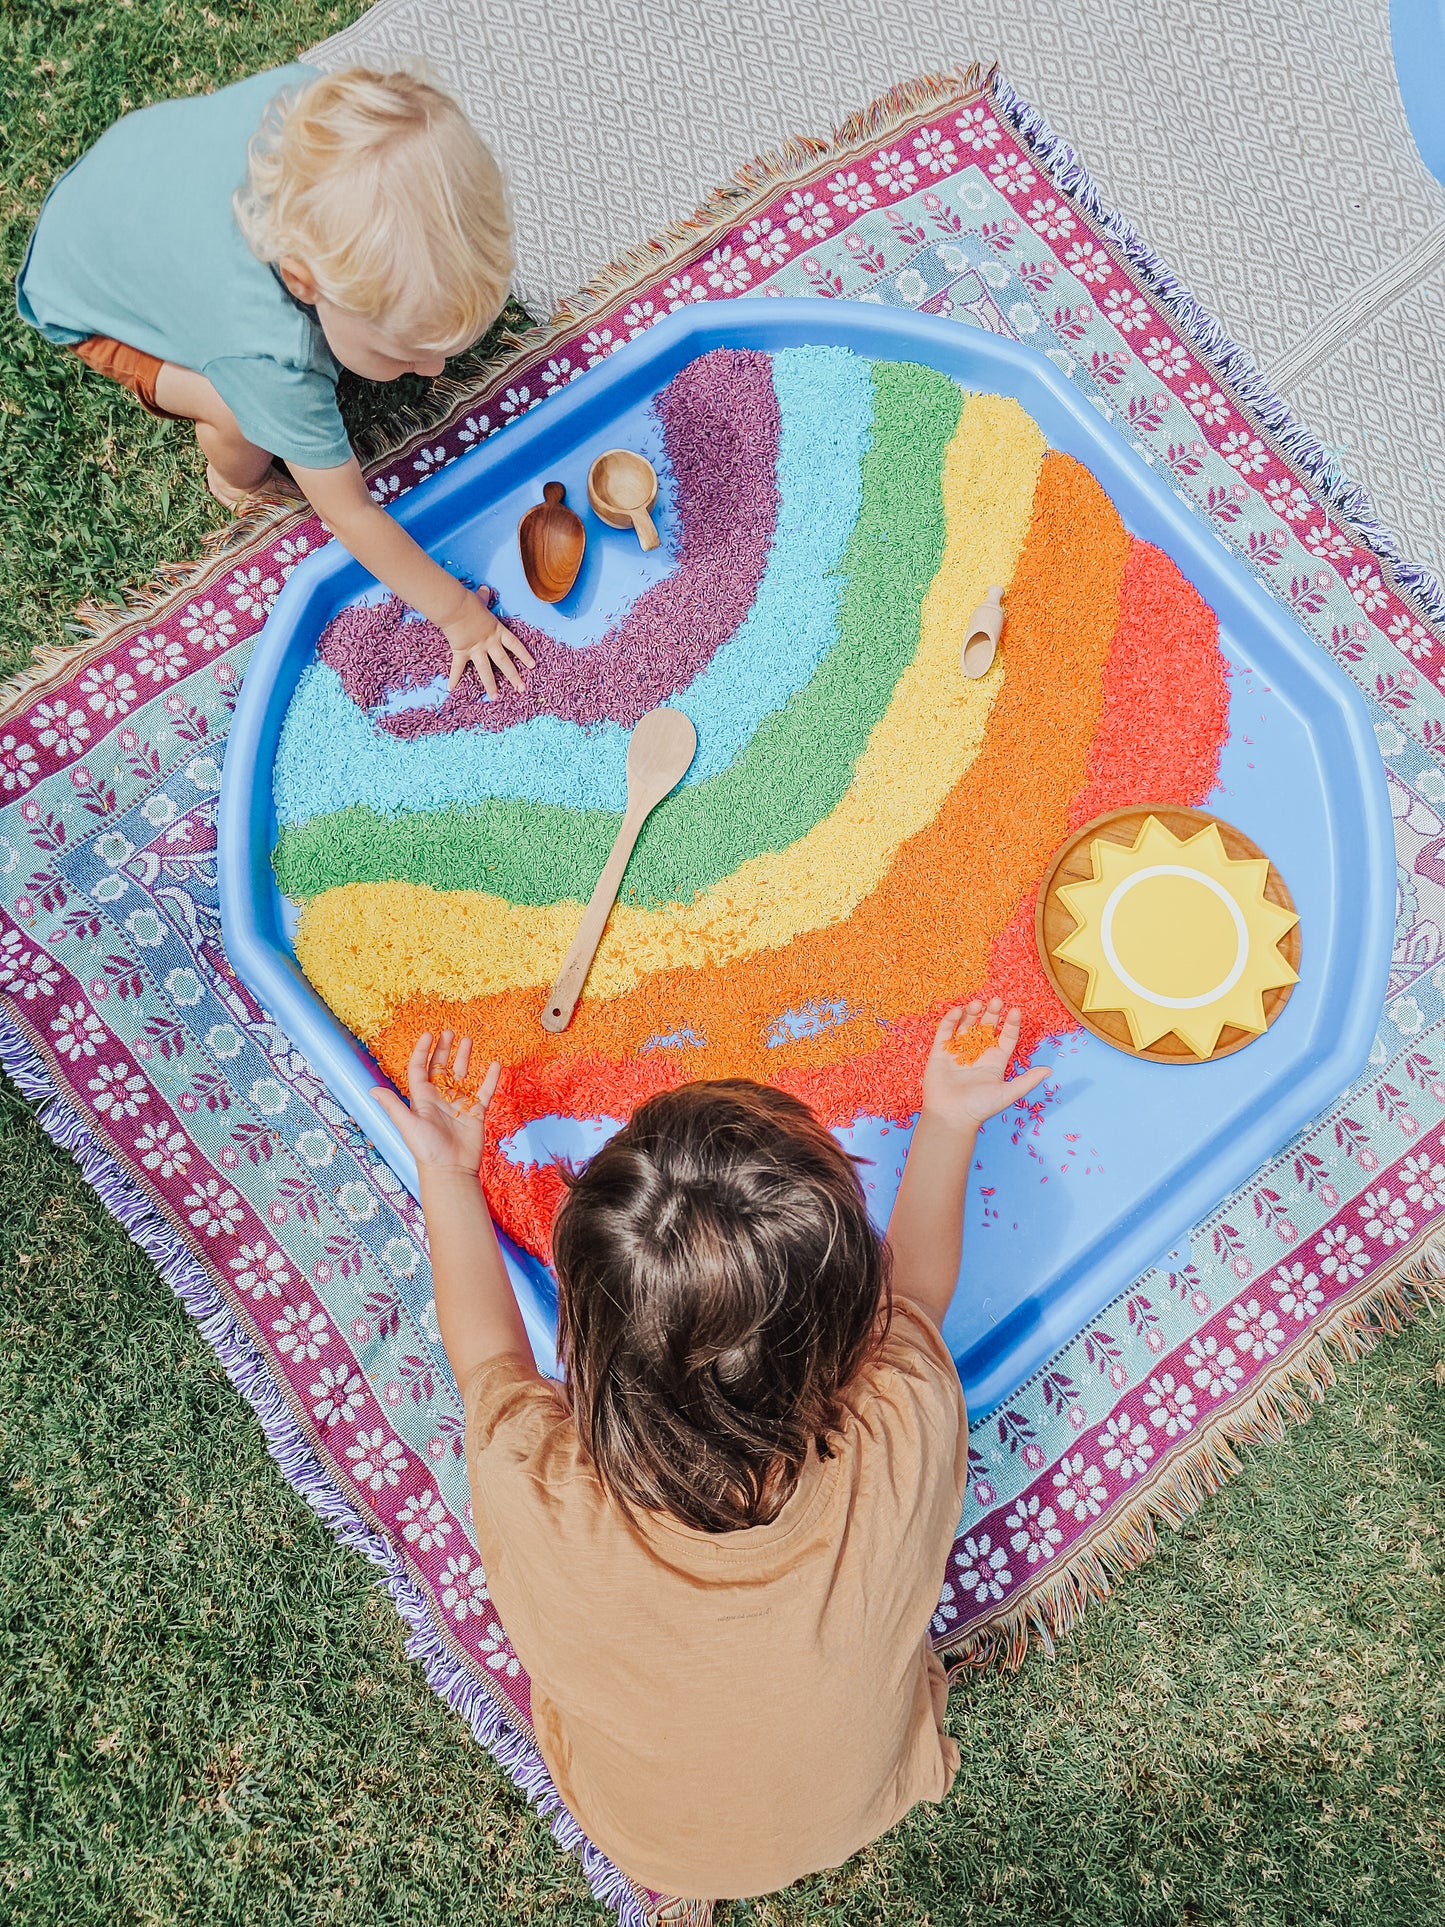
[(962, 1096), (442, 1133), (476, 637)]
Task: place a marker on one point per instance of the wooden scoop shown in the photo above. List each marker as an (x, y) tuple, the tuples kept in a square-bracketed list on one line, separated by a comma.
[(980, 641), (551, 539), (622, 487), (663, 744)]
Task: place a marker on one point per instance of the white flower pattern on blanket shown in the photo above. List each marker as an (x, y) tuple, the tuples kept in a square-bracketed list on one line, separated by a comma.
[(114, 978)]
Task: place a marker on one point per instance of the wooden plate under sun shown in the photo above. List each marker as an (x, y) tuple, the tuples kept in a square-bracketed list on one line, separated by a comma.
[(1053, 924)]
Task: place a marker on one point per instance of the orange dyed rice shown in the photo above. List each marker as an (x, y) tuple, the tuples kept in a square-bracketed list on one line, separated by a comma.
[(1114, 693)]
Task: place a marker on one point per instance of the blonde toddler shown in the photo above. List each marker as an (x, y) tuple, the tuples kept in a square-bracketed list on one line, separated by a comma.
[(224, 256)]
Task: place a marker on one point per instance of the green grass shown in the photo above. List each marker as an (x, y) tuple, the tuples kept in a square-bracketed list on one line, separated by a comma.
[(95, 494), (208, 1714)]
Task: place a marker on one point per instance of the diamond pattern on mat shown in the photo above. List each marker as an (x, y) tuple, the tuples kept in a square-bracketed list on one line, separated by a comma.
[(1379, 401), (116, 991), (1263, 150)]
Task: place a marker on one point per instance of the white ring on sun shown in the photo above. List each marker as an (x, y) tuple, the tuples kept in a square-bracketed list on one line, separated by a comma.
[(1131, 984)]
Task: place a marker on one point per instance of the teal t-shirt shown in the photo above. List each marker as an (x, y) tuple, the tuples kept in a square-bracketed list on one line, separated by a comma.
[(138, 241)]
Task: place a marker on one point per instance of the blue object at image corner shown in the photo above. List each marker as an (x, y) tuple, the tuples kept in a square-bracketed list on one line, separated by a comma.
[(1417, 41)]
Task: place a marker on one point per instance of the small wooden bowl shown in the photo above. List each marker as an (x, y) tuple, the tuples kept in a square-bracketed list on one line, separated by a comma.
[(552, 540), (1053, 925), (622, 487)]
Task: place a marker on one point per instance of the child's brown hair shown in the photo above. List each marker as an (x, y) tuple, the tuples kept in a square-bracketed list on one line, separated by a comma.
[(720, 1285)]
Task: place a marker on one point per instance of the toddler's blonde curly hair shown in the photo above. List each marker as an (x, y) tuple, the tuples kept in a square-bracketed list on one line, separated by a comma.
[(378, 183)]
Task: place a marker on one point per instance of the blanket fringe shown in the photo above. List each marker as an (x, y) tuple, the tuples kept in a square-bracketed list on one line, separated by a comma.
[(1053, 1607), (96, 624), (1312, 461), (1049, 1611), (757, 182), (489, 1719)]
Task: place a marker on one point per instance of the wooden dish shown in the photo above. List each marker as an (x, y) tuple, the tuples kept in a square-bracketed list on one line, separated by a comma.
[(622, 487), (1053, 924), (551, 540)]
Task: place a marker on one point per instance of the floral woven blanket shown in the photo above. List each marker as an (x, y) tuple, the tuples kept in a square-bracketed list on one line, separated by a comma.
[(298, 1251)]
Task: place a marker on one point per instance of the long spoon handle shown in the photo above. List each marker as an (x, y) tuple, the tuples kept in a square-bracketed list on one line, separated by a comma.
[(570, 978)]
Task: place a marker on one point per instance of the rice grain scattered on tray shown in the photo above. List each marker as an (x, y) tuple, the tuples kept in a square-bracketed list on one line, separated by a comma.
[(860, 839)]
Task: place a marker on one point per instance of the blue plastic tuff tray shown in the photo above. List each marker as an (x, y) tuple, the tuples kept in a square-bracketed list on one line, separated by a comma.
[(1133, 1153)]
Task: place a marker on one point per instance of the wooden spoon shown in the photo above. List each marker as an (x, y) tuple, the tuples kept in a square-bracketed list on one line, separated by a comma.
[(663, 744), (622, 487), (551, 539)]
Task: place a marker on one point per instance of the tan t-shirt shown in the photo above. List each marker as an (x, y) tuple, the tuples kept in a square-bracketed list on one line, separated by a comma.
[(726, 1712)]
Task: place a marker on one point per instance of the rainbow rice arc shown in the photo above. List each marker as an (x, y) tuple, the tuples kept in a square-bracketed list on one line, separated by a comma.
[(861, 836)]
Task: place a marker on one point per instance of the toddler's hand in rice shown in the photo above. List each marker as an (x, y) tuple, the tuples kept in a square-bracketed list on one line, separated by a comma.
[(963, 1092), (444, 1125), (478, 638)]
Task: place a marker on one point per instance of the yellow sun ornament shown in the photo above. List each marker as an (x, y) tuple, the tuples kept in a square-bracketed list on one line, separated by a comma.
[(1176, 935)]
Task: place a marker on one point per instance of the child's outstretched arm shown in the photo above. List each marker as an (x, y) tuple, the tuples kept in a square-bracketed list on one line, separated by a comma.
[(382, 545), (926, 1229), (477, 1311)]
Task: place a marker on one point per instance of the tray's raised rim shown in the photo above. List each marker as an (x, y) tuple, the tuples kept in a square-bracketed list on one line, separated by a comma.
[(1358, 826)]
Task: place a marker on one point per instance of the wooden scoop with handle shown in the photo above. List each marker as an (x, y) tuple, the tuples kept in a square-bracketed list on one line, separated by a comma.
[(663, 744), (552, 541), (622, 487)]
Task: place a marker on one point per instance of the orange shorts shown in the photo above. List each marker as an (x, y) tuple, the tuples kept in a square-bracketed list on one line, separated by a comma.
[(129, 366)]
